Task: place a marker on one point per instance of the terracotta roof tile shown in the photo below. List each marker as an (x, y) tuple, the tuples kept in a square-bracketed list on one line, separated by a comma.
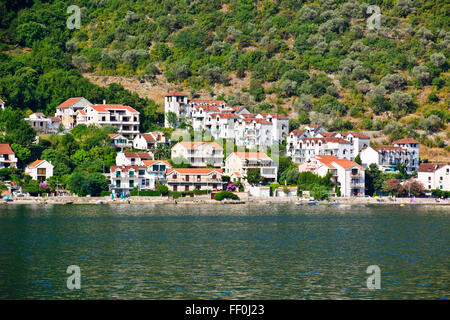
[(5, 149)]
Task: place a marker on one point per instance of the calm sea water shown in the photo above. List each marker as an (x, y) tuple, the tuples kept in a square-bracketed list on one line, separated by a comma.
[(224, 251)]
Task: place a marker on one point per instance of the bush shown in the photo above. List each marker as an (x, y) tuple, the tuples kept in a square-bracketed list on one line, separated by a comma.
[(163, 189), (105, 193), (225, 195), (145, 193)]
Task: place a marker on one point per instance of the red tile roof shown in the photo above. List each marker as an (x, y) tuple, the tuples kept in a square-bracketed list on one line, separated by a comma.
[(35, 163), (106, 107), (252, 155), (192, 145), (207, 108), (193, 170), (327, 139), (385, 148), (151, 162), (257, 120), (55, 119), (297, 132), (1, 101), (216, 102), (69, 102), (5, 149), (142, 155), (344, 163), (176, 93), (405, 140), (224, 115), (431, 167)]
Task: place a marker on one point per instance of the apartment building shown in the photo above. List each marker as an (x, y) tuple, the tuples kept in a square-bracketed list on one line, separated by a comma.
[(347, 175), (187, 179), (149, 141), (387, 157), (124, 118), (199, 154), (237, 165), (412, 148), (67, 111), (158, 169), (40, 170), (357, 140), (132, 158), (434, 175), (307, 148), (123, 179), (7, 156)]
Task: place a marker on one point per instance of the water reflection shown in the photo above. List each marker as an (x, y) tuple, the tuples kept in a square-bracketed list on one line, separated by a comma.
[(223, 252)]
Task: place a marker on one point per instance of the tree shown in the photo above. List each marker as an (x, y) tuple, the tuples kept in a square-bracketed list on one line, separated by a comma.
[(393, 186), (319, 192), (413, 187), (358, 159), (254, 176), (422, 74), (373, 179), (438, 59), (172, 118)]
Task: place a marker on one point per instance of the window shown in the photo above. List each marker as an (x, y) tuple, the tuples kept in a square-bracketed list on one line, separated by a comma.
[(131, 174), (141, 172), (214, 176), (117, 183), (187, 178), (42, 171), (131, 183), (118, 173), (186, 188), (175, 188), (174, 176)]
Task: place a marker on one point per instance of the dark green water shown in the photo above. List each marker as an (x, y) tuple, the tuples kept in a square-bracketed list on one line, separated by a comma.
[(224, 252)]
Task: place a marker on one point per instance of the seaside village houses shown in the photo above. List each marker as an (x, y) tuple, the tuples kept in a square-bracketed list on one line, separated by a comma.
[(311, 147), (222, 121)]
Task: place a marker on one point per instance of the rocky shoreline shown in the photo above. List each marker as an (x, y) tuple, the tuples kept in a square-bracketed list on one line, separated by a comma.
[(198, 200)]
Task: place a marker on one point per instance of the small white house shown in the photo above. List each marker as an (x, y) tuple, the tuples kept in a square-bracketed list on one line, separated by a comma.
[(434, 176), (132, 158), (126, 178), (40, 170)]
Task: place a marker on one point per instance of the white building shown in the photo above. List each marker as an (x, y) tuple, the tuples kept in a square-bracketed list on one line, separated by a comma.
[(149, 141), (357, 140), (126, 178), (119, 141), (412, 148), (348, 175), (186, 179), (132, 158), (434, 175), (199, 154), (176, 102), (237, 165), (307, 148), (387, 157), (40, 170), (7, 156), (2, 104), (67, 111), (125, 118), (158, 168)]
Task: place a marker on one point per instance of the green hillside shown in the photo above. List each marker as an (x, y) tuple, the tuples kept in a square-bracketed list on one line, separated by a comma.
[(314, 60)]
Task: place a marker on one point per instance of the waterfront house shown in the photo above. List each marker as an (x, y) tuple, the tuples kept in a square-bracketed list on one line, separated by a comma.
[(307, 148), (7, 156), (238, 163), (123, 179), (199, 154), (132, 158), (124, 118), (40, 170), (185, 179), (67, 111), (158, 168), (412, 150), (434, 175), (347, 175)]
